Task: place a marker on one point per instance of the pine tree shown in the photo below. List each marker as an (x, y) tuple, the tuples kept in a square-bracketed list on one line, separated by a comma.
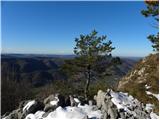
[(153, 11), (89, 48)]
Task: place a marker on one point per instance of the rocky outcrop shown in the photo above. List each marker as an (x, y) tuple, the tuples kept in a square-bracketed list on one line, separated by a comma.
[(53, 101), (143, 81), (25, 108), (120, 105), (48, 105), (106, 105)]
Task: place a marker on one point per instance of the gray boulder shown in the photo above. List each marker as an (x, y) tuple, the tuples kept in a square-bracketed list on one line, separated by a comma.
[(49, 107), (72, 101), (35, 107), (100, 98), (49, 98), (15, 114), (107, 107)]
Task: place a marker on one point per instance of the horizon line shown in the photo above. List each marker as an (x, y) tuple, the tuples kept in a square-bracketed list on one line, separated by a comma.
[(64, 54)]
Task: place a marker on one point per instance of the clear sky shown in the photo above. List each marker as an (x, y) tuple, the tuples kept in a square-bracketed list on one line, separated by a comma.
[(51, 27)]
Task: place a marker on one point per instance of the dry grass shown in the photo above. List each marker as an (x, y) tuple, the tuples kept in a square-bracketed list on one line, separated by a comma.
[(149, 77)]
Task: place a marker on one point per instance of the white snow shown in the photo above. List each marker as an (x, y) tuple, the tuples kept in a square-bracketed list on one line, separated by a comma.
[(154, 116), (150, 93), (37, 115), (30, 116), (90, 112), (120, 99), (147, 87), (149, 107), (123, 101), (67, 113), (79, 112), (54, 102), (28, 105), (76, 100)]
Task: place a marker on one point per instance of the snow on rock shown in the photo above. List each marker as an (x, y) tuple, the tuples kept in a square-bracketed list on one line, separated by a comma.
[(150, 93), (28, 105), (147, 87), (67, 113), (88, 110), (127, 103), (37, 115), (79, 112), (123, 101), (154, 116), (30, 116), (76, 100), (54, 102), (149, 107)]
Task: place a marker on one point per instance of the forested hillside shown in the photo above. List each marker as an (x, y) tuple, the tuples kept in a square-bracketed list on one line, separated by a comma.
[(27, 77)]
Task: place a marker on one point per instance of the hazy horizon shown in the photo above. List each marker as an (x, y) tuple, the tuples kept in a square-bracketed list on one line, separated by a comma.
[(61, 54)]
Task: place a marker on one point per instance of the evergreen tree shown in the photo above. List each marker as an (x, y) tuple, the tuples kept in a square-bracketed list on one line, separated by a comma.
[(153, 11), (91, 51)]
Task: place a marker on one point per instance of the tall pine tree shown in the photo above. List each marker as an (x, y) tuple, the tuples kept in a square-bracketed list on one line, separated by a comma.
[(91, 50)]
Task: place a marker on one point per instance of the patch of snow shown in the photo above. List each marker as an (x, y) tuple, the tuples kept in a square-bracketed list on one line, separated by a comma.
[(28, 105), (76, 100), (54, 102), (123, 101), (120, 99), (37, 115), (150, 93), (147, 87), (79, 112), (67, 113), (149, 107), (154, 116), (30, 116), (88, 110)]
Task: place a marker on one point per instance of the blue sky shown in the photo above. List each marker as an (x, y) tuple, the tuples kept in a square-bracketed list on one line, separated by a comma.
[(51, 27)]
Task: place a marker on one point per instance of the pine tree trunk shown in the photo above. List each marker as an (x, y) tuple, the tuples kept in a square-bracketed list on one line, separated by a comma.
[(87, 82)]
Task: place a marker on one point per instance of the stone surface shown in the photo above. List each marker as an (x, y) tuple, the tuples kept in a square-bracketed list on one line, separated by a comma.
[(102, 101), (48, 99)]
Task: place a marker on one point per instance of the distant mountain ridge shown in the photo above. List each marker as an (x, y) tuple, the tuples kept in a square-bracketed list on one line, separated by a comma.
[(17, 55), (54, 55), (43, 69)]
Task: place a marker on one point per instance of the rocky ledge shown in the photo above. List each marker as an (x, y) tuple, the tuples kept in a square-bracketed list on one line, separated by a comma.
[(105, 105)]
